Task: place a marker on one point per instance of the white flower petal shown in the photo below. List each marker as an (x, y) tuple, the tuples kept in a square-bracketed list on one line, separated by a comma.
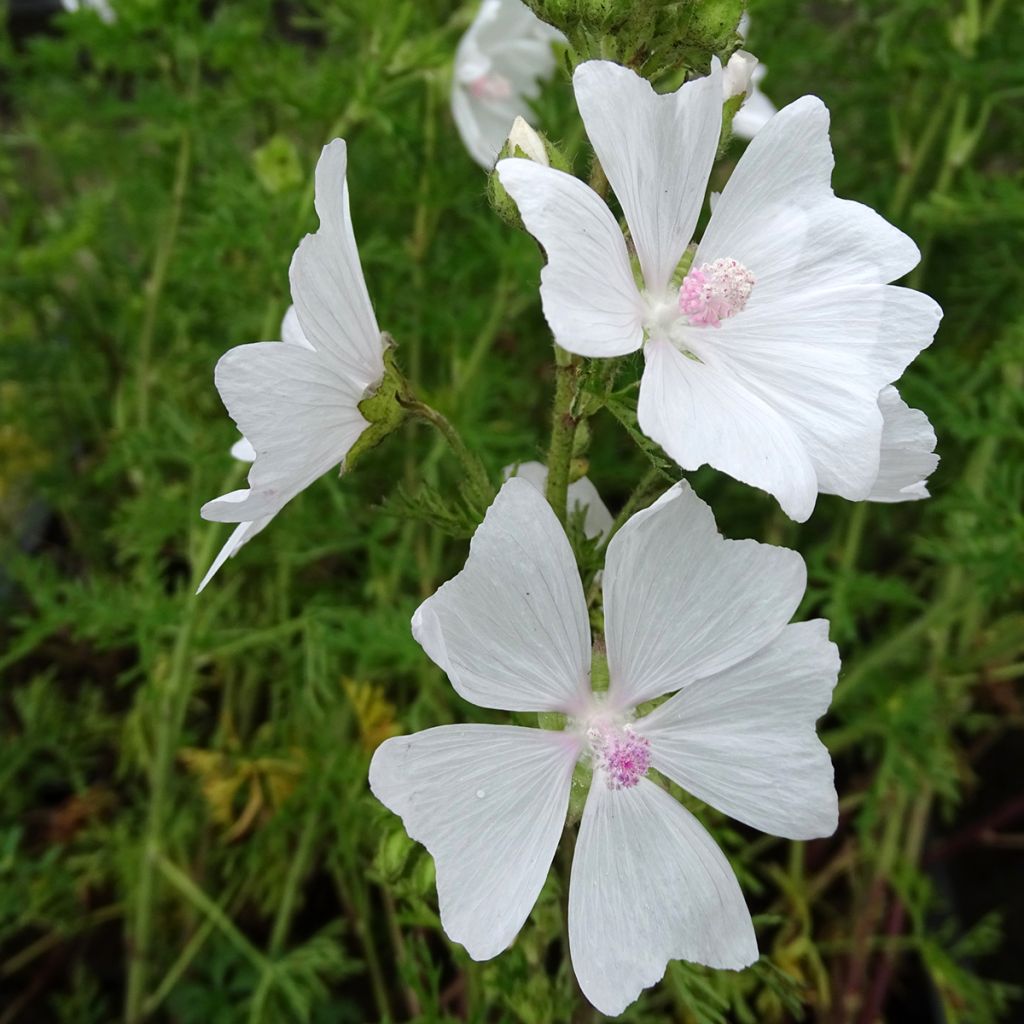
[(757, 109), (779, 217), (582, 495), (590, 299), (241, 534), (243, 450), (657, 152), (327, 282), (819, 359), (681, 602), (299, 413), (649, 885), (908, 451), (511, 630), (291, 329), (743, 740), (489, 803), (700, 414)]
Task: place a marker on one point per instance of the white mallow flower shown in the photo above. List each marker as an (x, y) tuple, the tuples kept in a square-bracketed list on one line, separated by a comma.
[(582, 494), (297, 403), (499, 65), (767, 359), (291, 334), (686, 612)]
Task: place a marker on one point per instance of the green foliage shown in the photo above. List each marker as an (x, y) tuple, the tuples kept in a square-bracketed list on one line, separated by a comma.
[(187, 829)]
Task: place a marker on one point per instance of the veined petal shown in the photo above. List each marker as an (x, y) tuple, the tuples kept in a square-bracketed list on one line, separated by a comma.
[(299, 412), (582, 494), (779, 217), (241, 534), (681, 602), (819, 359), (511, 630), (700, 414), (328, 288), (657, 152), (590, 299), (649, 885), (908, 451), (743, 740), (489, 803)]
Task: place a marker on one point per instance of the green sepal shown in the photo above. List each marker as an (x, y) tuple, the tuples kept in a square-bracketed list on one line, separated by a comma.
[(383, 409)]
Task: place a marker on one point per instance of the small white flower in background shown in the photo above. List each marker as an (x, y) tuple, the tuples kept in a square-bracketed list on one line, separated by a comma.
[(685, 611), (297, 403), (582, 494), (499, 64), (100, 7), (757, 109), (768, 359)]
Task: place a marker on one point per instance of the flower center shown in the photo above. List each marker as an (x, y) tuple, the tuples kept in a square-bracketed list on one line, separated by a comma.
[(620, 753), (714, 292), (490, 86)]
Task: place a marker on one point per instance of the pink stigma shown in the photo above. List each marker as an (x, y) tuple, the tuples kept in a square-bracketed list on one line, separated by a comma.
[(714, 292), (622, 754), (490, 86)]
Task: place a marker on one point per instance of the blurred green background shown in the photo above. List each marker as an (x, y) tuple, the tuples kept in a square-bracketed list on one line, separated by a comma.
[(186, 834)]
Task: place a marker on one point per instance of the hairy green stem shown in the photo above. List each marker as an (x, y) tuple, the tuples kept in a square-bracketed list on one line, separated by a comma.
[(563, 431), (470, 463)]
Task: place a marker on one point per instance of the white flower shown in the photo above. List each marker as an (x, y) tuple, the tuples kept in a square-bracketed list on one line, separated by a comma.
[(296, 404), (685, 611), (768, 360), (291, 334), (757, 109), (101, 7), (499, 64), (582, 494)]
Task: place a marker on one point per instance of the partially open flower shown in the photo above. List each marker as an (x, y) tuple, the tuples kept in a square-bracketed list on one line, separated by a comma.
[(686, 612), (768, 359), (297, 403), (499, 64)]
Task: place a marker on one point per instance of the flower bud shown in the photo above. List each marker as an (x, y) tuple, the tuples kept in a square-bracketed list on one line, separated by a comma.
[(525, 139), (738, 74)]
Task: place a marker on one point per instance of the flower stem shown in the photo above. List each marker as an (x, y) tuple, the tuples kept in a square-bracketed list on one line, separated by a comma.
[(470, 463), (563, 431)]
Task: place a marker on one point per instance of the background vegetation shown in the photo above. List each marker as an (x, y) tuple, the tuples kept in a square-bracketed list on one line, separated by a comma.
[(186, 833)]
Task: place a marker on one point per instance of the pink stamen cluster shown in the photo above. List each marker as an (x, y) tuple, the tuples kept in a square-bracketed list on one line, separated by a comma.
[(715, 291), (622, 754), (491, 86)]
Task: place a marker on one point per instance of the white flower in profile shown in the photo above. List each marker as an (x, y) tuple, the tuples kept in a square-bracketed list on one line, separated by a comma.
[(686, 612), (499, 65), (582, 496), (297, 403), (757, 109), (768, 359), (291, 334)]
